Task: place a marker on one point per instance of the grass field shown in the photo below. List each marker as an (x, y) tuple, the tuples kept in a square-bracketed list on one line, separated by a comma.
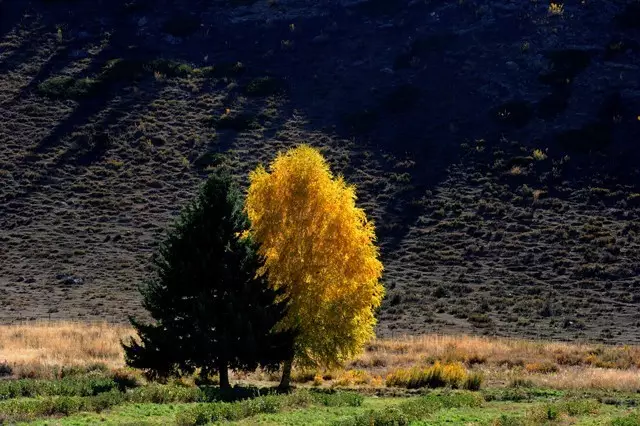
[(74, 373)]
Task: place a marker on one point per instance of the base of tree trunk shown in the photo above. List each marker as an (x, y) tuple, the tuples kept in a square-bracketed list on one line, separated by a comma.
[(285, 382), (224, 376)]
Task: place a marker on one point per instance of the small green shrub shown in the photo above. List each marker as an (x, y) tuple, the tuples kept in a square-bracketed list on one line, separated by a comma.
[(632, 419), (126, 378), (165, 394), (237, 122), (228, 411), (66, 87), (519, 382), (23, 409), (473, 382), (390, 416), (508, 420), (264, 86), (580, 407), (338, 399), (420, 408), (68, 386)]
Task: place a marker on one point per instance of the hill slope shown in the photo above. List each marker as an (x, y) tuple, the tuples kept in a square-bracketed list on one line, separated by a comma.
[(111, 113)]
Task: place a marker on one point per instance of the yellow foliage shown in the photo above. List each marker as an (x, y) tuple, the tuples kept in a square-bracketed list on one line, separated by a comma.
[(438, 375), (353, 377), (317, 380), (454, 374), (320, 248), (543, 367), (539, 155), (556, 8)]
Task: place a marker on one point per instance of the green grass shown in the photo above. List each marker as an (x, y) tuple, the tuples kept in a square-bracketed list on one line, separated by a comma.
[(89, 400)]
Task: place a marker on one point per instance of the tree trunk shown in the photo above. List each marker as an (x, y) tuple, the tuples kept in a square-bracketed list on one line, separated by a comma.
[(285, 382), (223, 370)]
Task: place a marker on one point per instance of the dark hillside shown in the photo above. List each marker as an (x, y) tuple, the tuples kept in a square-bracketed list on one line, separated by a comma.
[(494, 142)]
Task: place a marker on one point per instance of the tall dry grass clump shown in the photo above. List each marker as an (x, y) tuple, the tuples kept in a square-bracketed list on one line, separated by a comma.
[(37, 349)]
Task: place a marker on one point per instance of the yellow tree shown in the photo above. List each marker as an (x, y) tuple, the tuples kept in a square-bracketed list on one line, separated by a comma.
[(320, 248)]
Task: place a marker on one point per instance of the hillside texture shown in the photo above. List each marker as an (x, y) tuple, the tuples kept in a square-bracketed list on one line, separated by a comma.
[(495, 143)]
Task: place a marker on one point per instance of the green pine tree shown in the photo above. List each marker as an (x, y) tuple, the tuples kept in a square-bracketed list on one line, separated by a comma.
[(211, 310)]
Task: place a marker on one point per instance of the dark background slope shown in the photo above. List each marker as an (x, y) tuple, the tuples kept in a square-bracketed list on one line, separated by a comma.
[(111, 112)]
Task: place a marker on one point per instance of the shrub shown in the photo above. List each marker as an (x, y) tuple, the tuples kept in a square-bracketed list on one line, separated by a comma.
[(473, 382), (419, 408), (539, 155), (519, 382), (416, 409), (632, 419), (303, 376), (438, 375), (352, 377), (164, 394), (126, 378), (507, 420), (5, 369), (339, 399), (454, 374), (389, 416), (66, 87), (70, 386), (317, 380), (24, 409), (229, 411), (263, 86), (580, 407), (544, 367)]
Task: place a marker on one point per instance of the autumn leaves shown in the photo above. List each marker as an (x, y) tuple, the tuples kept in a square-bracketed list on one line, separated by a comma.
[(290, 276), (318, 247)]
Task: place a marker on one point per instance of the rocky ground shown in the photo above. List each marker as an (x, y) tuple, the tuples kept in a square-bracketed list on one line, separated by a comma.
[(494, 143)]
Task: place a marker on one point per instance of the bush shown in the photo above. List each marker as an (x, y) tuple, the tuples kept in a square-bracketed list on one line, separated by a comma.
[(264, 86), (14, 410), (519, 382), (228, 411), (579, 407), (454, 374), (544, 367), (507, 420), (390, 416), (352, 377), (5, 369), (66, 87), (164, 394), (629, 420), (69, 386), (338, 399), (416, 409), (126, 378), (473, 382), (575, 407), (438, 375)]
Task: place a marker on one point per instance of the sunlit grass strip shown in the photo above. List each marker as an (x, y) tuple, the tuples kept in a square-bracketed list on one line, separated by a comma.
[(61, 349)]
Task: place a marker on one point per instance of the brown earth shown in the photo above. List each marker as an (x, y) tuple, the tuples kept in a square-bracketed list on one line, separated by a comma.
[(112, 112)]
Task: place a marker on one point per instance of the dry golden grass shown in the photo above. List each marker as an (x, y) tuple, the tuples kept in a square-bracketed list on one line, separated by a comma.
[(404, 352), (40, 347), (590, 378), (36, 349)]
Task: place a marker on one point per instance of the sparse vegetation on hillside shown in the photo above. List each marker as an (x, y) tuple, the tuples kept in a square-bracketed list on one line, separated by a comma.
[(112, 114)]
